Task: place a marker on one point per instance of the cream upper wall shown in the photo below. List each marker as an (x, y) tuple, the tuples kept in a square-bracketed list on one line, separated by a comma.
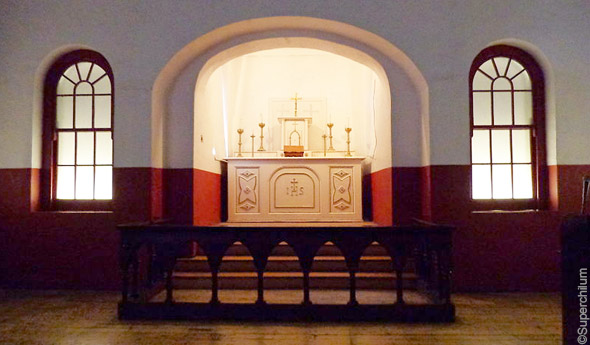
[(441, 37)]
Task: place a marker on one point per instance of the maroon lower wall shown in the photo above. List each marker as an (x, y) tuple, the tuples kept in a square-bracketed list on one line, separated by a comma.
[(493, 251)]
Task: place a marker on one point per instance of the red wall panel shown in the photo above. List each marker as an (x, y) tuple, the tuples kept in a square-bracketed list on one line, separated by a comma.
[(493, 251), (207, 197)]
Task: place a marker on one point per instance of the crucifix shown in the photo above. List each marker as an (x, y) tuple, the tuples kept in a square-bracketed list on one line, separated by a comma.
[(296, 99)]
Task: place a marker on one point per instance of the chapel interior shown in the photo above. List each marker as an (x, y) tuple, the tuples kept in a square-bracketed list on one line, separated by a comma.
[(203, 124)]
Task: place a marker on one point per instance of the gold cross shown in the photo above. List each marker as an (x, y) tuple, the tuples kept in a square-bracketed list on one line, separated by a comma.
[(296, 99)]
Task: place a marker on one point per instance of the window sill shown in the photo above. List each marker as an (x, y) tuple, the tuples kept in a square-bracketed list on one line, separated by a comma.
[(73, 212)]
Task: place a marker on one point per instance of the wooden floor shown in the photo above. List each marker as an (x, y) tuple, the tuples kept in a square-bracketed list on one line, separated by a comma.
[(74, 317)]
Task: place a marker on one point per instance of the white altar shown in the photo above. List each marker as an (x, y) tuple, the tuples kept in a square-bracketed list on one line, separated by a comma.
[(295, 189), (297, 183)]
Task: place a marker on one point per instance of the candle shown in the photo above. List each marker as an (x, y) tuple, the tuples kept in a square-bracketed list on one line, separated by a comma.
[(330, 118), (261, 120), (348, 122)]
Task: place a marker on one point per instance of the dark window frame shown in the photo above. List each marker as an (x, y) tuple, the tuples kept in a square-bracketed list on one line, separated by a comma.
[(49, 133), (538, 138)]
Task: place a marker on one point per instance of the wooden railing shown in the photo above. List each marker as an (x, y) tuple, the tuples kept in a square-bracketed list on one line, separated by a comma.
[(149, 253)]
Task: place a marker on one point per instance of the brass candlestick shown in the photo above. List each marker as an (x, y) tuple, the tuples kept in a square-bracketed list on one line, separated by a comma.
[(261, 125), (324, 136), (252, 136), (240, 131), (348, 129), (331, 148)]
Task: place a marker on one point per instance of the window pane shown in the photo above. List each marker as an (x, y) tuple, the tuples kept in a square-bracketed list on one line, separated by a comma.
[(521, 146), (83, 111), (501, 64), (514, 68), (481, 82), (522, 81), (96, 73), (502, 84), (66, 148), (104, 148), (85, 149), (523, 181), (103, 187), (84, 88), (65, 183), (502, 181), (502, 108), (72, 74), (481, 182), (488, 68), (103, 85), (480, 146), (102, 111), (84, 68), (523, 108), (500, 146), (65, 112), (482, 108), (84, 182), (65, 87)]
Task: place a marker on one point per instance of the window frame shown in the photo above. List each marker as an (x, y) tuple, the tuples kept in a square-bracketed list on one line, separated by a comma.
[(538, 135), (49, 148)]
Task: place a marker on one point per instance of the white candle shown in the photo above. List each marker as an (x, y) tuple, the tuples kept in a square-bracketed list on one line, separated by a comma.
[(348, 123)]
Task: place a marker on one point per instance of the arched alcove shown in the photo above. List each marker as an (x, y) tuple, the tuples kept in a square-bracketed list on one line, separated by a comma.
[(174, 120)]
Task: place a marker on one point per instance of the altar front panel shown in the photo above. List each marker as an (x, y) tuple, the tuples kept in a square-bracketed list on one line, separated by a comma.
[(295, 189)]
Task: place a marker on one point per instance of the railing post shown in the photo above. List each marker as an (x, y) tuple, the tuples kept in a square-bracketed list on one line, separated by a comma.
[(444, 281), (169, 287), (400, 263), (214, 287), (260, 299), (353, 301), (135, 278), (306, 299)]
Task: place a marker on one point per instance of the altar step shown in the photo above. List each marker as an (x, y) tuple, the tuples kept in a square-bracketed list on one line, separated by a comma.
[(283, 271)]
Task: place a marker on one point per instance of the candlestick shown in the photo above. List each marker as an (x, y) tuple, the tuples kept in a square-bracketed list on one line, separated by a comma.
[(331, 148), (240, 131), (252, 136), (324, 136), (261, 148), (348, 129)]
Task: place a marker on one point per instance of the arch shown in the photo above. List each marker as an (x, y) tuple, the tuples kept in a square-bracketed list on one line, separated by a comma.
[(193, 57), (72, 110), (518, 75), (174, 132), (550, 113)]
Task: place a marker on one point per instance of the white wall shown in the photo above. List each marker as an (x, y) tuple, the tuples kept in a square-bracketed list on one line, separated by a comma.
[(441, 37), (244, 88)]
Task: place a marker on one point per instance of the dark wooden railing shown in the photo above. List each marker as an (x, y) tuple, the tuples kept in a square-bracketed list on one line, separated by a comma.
[(149, 253)]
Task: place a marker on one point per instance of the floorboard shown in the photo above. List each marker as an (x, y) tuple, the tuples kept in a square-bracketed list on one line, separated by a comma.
[(82, 317)]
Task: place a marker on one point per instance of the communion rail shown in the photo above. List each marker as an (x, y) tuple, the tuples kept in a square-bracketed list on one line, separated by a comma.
[(149, 252)]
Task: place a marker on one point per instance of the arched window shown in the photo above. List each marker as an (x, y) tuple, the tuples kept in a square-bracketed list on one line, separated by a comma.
[(78, 133), (507, 106)]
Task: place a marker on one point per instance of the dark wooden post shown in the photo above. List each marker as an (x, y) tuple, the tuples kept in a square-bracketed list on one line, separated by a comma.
[(169, 287), (214, 286), (400, 263), (260, 299), (353, 301)]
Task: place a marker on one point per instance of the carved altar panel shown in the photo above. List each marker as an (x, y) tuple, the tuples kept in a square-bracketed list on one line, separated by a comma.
[(247, 188), (342, 190), (294, 190), (283, 189)]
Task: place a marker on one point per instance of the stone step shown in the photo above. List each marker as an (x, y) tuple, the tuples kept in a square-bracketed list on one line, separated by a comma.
[(283, 249), (288, 264), (291, 280)]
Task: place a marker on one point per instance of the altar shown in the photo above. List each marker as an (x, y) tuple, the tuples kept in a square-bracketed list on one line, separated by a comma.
[(292, 189), (305, 180)]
